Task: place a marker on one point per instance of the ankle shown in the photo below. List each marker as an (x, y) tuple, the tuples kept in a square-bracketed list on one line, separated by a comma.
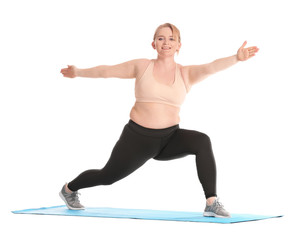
[(210, 200), (67, 190)]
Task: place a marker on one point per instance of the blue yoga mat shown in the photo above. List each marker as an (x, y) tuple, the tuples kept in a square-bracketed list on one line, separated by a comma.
[(142, 214)]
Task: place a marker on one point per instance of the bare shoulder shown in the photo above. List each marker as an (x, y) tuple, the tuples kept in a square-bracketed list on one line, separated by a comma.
[(141, 62), (184, 72), (141, 65)]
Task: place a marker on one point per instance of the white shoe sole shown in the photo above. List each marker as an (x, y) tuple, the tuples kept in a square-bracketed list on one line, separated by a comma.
[(212, 214), (71, 208)]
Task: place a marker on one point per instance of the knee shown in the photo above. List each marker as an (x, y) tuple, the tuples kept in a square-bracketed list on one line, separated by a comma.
[(203, 140)]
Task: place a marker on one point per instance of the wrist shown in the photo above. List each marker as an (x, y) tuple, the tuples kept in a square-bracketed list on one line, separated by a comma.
[(237, 58), (78, 72)]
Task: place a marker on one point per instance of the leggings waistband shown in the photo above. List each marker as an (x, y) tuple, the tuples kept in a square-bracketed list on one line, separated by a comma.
[(151, 131)]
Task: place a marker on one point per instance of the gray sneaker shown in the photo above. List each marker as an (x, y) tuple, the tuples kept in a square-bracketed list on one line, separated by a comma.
[(216, 210), (71, 200)]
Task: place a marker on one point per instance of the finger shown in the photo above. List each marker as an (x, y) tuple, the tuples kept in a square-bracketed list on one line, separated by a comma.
[(244, 44), (253, 51), (253, 48)]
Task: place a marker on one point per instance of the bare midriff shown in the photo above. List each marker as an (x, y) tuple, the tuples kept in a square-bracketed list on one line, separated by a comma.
[(155, 115)]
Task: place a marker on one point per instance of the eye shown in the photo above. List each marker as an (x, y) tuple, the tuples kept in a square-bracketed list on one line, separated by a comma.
[(160, 38), (172, 39)]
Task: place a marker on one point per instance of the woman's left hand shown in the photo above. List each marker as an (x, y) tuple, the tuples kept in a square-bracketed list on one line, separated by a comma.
[(244, 54)]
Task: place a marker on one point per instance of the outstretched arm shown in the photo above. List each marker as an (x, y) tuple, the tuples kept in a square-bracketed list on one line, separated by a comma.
[(123, 70), (198, 73)]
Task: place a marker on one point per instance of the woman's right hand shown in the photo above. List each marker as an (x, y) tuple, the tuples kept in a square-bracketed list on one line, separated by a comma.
[(69, 72)]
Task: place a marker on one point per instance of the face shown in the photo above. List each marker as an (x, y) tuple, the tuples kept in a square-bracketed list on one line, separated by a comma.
[(165, 43)]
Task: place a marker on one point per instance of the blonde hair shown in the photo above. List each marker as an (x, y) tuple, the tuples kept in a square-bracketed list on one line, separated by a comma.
[(174, 29)]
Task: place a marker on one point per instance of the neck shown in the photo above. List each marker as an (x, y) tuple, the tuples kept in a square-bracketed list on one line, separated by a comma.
[(166, 61)]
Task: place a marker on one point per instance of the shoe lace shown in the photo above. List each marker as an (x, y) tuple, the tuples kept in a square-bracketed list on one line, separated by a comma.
[(219, 205), (75, 197)]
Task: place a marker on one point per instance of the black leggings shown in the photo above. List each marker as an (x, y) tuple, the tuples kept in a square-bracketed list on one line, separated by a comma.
[(138, 144)]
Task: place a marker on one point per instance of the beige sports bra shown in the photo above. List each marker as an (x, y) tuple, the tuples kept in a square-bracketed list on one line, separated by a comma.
[(148, 89)]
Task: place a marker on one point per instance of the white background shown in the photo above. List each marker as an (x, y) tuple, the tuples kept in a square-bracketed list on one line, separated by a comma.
[(53, 128)]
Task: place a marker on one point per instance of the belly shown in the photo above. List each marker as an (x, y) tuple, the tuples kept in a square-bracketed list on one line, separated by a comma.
[(155, 115)]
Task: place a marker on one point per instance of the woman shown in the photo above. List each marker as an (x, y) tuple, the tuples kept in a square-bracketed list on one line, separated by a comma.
[(153, 129)]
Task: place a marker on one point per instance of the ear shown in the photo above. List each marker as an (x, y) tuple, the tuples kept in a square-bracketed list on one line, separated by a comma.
[(179, 46), (153, 45)]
